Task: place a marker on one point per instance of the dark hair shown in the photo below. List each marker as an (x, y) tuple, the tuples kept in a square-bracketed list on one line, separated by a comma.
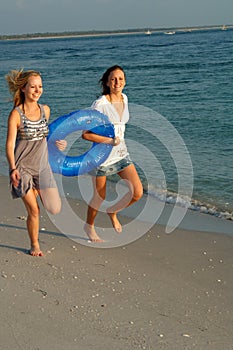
[(103, 81)]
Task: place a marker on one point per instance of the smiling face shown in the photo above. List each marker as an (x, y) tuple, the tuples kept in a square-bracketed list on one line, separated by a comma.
[(116, 81), (33, 89)]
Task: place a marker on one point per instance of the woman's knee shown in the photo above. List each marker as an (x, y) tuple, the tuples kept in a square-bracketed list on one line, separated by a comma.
[(99, 194), (33, 211), (137, 193), (53, 208), (51, 200), (137, 196)]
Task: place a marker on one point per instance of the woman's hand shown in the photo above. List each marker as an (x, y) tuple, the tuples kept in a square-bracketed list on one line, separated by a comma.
[(15, 177), (116, 141), (61, 144)]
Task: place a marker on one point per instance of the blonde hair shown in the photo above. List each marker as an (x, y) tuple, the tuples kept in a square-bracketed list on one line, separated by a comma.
[(17, 79)]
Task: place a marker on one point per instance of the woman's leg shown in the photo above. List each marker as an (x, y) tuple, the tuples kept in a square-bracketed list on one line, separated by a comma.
[(99, 188), (33, 210), (51, 200), (130, 175)]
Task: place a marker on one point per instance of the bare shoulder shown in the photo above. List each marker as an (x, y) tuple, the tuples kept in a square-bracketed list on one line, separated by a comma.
[(47, 111), (14, 117)]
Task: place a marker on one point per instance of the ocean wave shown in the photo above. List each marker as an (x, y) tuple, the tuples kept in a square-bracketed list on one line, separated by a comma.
[(187, 202)]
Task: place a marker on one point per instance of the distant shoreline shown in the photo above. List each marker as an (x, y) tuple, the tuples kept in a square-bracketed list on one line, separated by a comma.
[(58, 35)]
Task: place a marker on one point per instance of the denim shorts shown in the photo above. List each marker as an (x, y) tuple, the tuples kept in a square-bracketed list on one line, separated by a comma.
[(112, 168)]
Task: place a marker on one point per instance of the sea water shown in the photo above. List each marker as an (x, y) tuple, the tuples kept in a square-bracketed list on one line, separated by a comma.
[(179, 87)]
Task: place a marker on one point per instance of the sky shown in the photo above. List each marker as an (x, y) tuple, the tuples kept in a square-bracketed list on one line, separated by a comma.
[(42, 16)]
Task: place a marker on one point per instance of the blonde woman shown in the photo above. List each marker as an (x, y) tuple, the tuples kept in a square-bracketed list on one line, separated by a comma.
[(26, 151)]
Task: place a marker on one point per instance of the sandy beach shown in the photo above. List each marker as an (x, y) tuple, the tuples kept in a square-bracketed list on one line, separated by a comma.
[(162, 291)]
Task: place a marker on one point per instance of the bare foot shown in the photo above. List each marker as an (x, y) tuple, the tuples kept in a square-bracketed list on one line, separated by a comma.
[(35, 251), (91, 233), (115, 222)]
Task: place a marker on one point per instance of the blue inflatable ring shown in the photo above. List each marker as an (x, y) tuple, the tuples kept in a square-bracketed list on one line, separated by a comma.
[(87, 119)]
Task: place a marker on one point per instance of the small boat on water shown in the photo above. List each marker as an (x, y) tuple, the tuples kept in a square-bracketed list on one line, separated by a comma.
[(148, 32), (171, 32)]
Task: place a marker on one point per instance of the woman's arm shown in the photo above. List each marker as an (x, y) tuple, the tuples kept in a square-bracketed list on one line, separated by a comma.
[(13, 125), (90, 136)]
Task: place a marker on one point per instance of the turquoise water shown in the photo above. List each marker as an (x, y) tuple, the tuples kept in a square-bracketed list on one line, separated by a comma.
[(186, 78)]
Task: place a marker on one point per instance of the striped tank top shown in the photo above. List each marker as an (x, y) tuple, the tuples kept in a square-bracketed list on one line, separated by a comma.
[(32, 130)]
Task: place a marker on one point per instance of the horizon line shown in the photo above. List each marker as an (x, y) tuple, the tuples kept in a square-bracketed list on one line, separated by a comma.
[(114, 31)]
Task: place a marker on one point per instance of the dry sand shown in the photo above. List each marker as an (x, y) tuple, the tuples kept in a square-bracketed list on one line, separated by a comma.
[(163, 291)]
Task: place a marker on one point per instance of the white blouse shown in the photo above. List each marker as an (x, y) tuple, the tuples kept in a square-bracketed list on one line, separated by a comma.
[(104, 106)]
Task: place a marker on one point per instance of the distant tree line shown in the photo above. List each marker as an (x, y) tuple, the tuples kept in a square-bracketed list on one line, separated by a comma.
[(65, 34), (104, 32)]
